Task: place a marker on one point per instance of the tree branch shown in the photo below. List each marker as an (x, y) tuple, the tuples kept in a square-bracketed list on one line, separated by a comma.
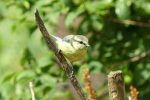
[(129, 22), (141, 57), (63, 62)]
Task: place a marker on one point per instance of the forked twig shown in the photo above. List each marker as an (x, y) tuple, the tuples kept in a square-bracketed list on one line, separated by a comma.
[(63, 62)]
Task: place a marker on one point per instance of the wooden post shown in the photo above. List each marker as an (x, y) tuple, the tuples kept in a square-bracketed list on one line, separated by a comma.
[(116, 85)]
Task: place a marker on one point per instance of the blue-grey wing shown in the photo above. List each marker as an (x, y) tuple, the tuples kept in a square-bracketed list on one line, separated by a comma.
[(68, 38), (55, 39)]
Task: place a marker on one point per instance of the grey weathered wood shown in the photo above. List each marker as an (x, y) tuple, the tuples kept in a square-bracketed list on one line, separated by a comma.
[(116, 85)]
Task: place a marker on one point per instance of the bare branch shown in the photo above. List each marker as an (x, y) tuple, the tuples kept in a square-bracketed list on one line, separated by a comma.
[(129, 22), (140, 57), (63, 62)]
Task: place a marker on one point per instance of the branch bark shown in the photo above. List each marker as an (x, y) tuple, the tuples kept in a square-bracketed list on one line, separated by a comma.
[(116, 86), (63, 62)]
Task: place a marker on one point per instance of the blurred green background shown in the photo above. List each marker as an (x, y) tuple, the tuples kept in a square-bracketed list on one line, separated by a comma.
[(118, 32)]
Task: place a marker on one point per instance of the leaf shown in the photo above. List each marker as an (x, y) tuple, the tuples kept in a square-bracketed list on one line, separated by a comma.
[(9, 77), (128, 79), (71, 16), (142, 7), (98, 7), (27, 57), (145, 74), (48, 80), (96, 66), (97, 25), (25, 76), (122, 10)]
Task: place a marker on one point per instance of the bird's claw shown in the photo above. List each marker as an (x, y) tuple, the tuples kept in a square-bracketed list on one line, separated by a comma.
[(58, 51)]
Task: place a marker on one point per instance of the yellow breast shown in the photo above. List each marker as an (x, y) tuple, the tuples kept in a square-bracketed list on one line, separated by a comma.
[(76, 56), (71, 53)]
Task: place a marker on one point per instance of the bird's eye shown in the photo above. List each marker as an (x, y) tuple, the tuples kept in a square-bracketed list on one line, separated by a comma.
[(81, 42)]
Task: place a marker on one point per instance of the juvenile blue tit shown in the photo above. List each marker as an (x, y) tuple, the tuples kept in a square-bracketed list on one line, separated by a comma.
[(73, 47)]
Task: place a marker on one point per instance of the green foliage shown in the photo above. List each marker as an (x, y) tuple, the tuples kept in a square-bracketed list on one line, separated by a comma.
[(118, 31)]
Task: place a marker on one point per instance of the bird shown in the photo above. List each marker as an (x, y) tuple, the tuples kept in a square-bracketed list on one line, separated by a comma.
[(73, 47)]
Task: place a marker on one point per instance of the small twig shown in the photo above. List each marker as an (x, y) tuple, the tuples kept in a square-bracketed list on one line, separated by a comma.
[(63, 62), (141, 57), (116, 86), (129, 22), (32, 90)]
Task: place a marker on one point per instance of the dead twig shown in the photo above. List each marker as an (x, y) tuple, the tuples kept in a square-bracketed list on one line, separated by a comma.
[(129, 22), (144, 56)]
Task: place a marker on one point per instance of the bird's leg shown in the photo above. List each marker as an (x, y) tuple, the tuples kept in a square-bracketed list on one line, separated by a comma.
[(60, 60), (71, 72), (58, 52)]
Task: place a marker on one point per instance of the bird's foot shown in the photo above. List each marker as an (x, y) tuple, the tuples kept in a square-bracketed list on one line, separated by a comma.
[(58, 52)]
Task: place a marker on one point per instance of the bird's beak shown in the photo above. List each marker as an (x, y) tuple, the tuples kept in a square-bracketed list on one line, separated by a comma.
[(87, 45)]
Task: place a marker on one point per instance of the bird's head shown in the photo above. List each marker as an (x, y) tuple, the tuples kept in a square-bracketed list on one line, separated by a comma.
[(80, 42)]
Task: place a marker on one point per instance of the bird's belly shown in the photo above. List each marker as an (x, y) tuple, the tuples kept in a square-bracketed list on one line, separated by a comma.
[(75, 56), (71, 53)]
